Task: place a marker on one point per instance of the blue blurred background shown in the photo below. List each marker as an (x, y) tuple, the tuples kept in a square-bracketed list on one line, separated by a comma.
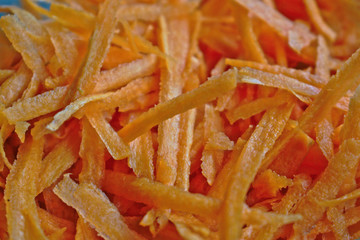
[(9, 2)]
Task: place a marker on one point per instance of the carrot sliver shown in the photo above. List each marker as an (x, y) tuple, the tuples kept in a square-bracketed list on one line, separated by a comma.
[(287, 204), (298, 37), (124, 73), (13, 87), (252, 108), (161, 195), (73, 107), (17, 34), (39, 105), (302, 76), (56, 162), (327, 186), (92, 153), (88, 200), (313, 11), (151, 12), (248, 75), (20, 192), (322, 68), (254, 152), (206, 92), (174, 37), (98, 47), (244, 23), (113, 142), (344, 80), (141, 157), (335, 215), (5, 74), (324, 132)]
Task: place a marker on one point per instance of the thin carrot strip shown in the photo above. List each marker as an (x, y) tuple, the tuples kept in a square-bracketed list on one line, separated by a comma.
[(124, 73), (313, 11), (344, 80), (252, 108), (14, 86), (327, 186), (302, 76), (20, 192), (298, 37), (113, 142), (151, 12), (175, 43), (322, 67), (324, 132), (22, 43), (92, 153), (253, 76), (56, 162), (39, 105), (78, 196), (268, 130), (4, 74), (244, 23), (98, 47), (161, 195), (206, 92), (332, 203), (335, 215), (73, 107), (287, 204)]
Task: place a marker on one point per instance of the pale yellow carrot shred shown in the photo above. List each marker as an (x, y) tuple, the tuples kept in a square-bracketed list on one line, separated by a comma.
[(6, 130), (313, 11), (206, 92), (267, 131)]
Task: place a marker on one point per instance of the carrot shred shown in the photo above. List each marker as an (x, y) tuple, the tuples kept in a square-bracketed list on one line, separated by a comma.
[(313, 11), (240, 182), (206, 92), (78, 195)]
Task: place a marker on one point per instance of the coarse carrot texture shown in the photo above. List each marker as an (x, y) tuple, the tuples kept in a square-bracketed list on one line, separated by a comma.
[(191, 119)]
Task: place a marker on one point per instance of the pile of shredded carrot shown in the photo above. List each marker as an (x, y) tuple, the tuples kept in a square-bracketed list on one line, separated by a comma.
[(180, 119)]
